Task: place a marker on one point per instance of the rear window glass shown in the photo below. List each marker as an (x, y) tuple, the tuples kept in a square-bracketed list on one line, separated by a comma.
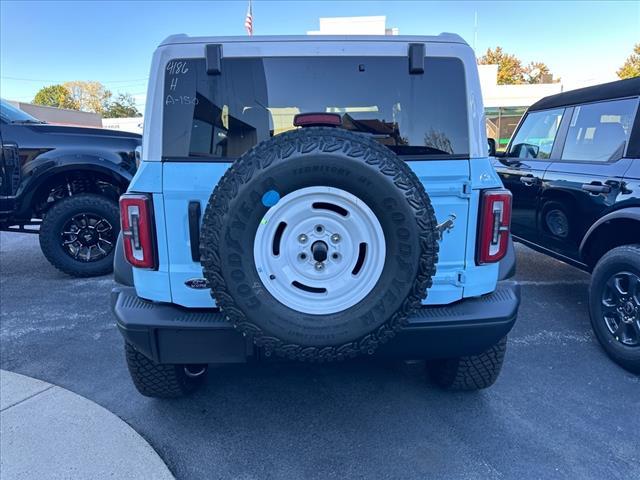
[(253, 99)]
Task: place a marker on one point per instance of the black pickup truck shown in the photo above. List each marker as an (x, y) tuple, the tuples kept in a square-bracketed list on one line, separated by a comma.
[(63, 183)]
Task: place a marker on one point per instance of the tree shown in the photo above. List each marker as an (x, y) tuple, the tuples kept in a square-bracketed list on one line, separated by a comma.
[(631, 67), (510, 71), (55, 96), (535, 72), (89, 96), (438, 140), (123, 106)]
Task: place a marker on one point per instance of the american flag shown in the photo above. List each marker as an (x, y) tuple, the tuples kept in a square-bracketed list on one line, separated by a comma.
[(248, 21)]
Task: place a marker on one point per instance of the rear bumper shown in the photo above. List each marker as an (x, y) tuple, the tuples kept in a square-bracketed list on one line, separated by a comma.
[(170, 334)]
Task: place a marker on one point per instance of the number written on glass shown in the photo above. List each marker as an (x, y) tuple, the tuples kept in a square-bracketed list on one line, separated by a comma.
[(180, 100), (177, 68)]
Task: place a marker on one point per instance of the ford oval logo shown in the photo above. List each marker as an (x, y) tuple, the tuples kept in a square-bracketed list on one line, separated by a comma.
[(197, 283)]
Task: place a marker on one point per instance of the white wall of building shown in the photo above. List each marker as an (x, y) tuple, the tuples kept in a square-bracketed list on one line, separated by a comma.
[(495, 95), (371, 25), (130, 124)]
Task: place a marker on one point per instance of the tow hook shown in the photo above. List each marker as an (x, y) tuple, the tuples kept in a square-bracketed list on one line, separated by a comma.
[(446, 226), (195, 371)]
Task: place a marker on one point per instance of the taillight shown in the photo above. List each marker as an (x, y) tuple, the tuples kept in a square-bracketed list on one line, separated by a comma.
[(495, 223), (136, 219)]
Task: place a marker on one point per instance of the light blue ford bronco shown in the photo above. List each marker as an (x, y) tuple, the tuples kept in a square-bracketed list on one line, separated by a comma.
[(314, 199)]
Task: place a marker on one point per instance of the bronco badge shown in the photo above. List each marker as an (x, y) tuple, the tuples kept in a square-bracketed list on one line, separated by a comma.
[(197, 283)]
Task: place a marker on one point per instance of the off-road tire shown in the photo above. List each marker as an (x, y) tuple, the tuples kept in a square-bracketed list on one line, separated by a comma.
[(55, 219), (473, 372), (625, 258), (291, 150), (159, 381)]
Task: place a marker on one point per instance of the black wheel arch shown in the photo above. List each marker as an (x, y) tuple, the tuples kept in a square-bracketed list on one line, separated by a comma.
[(600, 238), (90, 168)]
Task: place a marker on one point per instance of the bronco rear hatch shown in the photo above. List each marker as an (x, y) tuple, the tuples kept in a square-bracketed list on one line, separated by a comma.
[(215, 110)]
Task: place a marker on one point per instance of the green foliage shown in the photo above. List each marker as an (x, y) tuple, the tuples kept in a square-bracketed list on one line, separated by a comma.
[(631, 67), (55, 96), (123, 106)]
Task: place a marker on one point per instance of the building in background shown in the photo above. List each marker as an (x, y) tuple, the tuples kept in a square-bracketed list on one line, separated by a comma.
[(371, 25), (60, 116), (504, 105), (127, 124)]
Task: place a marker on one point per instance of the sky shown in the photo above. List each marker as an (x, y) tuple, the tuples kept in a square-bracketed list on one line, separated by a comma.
[(43, 43)]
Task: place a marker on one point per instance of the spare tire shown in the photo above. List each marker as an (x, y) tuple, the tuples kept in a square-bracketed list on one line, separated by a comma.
[(319, 243)]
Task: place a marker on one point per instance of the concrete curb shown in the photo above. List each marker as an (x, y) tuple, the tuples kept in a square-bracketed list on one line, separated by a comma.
[(49, 432)]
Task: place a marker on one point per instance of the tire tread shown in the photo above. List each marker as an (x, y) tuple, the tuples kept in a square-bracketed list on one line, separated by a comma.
[(155, 380), (469, 373)]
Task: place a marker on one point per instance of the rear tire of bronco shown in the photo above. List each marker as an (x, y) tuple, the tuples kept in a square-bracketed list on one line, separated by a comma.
[(78, 235), (473, 372), (614, 305), (162, 381)]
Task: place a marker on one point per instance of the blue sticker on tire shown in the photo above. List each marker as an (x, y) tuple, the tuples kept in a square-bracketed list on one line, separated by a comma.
[(270, 198)]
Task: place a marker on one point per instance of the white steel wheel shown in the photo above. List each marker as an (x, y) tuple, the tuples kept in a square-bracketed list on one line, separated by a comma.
[(319, 250)]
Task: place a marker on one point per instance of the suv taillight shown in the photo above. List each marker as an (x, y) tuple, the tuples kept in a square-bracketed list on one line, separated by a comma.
[(495, 224), (136, 220)]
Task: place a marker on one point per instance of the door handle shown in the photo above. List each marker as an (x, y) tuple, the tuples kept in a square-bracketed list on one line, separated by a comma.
[(529, 181), (596, 187)]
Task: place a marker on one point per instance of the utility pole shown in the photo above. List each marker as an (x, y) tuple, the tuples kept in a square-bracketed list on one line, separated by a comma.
[(475, 30)]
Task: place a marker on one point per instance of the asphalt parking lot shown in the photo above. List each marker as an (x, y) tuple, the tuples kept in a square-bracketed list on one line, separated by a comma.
[(560, 409)]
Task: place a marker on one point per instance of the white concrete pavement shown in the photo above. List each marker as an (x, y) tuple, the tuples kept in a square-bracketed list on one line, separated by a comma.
[(49, 432)]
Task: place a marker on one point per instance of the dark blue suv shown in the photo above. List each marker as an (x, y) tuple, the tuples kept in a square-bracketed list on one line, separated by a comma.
[(573, 167)]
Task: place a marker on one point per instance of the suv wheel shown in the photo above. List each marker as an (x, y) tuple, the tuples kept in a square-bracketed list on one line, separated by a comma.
[(78, 235), (614, 300), (162, 381), (473, 372)]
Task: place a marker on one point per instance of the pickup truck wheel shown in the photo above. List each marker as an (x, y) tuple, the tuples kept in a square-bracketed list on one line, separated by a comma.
[(78, 235), (473, 372), (614, 301), (318, 244), (162, 381)]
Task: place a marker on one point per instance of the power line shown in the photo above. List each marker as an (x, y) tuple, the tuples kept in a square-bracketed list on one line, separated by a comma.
[(131, 80)]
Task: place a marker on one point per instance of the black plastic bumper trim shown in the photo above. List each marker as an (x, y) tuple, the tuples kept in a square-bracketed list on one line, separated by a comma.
[(167, 333), (122, 270), (507, 266)]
